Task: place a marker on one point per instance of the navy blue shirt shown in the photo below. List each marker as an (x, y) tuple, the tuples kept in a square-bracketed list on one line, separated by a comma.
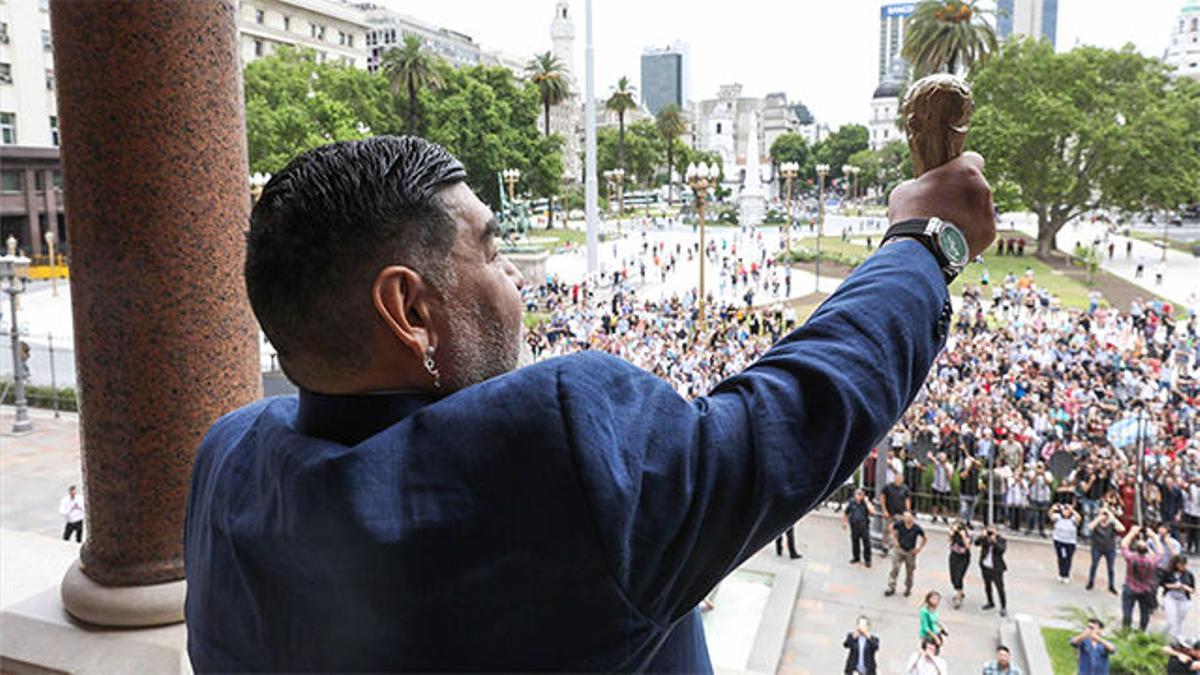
[(567, 516)]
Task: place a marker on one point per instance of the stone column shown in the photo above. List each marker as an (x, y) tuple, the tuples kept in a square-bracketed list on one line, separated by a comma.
[(154, 163), (32, 230)]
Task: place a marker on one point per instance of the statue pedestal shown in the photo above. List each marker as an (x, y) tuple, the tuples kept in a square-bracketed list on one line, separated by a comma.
[(531, 264), (751, 209)]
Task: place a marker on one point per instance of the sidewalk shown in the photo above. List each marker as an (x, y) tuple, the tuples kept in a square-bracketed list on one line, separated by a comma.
[(1181, 276)]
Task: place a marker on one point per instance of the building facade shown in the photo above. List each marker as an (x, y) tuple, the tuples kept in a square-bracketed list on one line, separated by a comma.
[(1184, 51), (1035, 18), (30, 179), (566, 118), (337, 32), (893, 19), (664, 77), (388, 29)]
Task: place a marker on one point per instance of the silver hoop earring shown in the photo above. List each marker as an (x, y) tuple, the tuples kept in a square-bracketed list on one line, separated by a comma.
[(431, 367)]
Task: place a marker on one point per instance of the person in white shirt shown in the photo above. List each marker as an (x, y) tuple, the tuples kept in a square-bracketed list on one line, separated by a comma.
[(71, 508), (926, 661)]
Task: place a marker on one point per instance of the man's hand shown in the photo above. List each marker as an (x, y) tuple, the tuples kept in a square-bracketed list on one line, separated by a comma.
[(955, 191)]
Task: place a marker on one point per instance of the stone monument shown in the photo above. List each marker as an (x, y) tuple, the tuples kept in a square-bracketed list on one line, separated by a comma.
[(752, 200)]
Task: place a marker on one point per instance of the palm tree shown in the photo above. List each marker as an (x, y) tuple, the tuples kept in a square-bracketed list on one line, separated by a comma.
[(670, 125), (946, 34), (621, 101), (548, 75), (411, 68)]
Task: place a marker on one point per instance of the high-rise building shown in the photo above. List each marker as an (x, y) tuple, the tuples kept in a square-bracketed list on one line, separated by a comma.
[(893, 18), (1184, 51), (1037, 18), (664, 77)]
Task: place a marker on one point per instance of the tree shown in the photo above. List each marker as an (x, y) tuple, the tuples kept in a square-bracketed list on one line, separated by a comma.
[(835, 149), (620, 102), (547, 73), (870, 169), (946, 34), (671, 125), (489, 120), (895, 164), (411, 68), (294, 104), (791, 147), (643, 152), (1088, 129)]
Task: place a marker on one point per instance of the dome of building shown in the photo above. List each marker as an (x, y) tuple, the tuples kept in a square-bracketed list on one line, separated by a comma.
[(889, 88)]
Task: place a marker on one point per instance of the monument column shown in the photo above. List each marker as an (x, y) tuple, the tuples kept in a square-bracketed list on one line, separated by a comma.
[(154, 164)]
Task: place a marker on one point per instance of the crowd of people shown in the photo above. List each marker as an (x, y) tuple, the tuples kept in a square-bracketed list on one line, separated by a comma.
[(1013, 431)]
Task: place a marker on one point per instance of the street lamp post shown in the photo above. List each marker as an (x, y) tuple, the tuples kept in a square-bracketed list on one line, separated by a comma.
[(697, 178), (511, 176), (258, 181), (14, 270), (822, 171), (50, 241), (789, 171)]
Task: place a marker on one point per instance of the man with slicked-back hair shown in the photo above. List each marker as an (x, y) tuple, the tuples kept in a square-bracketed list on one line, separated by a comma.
[(423, 504)]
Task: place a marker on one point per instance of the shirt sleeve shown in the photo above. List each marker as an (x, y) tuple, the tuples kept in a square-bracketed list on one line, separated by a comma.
[(682, 492)]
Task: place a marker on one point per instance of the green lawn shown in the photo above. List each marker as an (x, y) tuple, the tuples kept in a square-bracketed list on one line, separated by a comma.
[(1062, 654), (1071, 293)]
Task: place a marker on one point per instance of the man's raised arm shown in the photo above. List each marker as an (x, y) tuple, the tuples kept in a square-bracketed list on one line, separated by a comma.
[(682, 492)]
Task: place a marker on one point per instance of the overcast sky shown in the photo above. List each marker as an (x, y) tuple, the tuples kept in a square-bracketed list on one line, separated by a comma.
[(821, 52)]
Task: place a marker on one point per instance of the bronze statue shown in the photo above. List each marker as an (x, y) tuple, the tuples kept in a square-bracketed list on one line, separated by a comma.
[(936, 113)]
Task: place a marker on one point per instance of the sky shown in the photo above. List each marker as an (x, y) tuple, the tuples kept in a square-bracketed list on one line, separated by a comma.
[(823, 53)]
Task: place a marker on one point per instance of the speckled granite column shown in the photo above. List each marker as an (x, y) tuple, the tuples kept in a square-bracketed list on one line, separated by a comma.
[(154, 164)]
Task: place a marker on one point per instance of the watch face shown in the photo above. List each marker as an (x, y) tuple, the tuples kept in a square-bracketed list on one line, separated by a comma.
[(953, 244)]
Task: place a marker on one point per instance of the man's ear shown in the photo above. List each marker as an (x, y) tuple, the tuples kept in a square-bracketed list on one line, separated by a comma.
[(405, 304)]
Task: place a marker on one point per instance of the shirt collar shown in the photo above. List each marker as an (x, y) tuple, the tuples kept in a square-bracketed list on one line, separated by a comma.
[(350, 419)]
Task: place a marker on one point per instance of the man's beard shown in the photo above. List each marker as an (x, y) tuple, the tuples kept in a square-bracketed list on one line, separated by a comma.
[(481, 346)]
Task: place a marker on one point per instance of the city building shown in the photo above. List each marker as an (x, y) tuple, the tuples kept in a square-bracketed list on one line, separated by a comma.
[(336, 31), (1036, 18), (893, 19), (664, 77), (388, 29), (1184, 51), (885, 103), (30, 180)]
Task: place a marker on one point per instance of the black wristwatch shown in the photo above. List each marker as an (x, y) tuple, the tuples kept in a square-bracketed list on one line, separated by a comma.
[(943, 239)]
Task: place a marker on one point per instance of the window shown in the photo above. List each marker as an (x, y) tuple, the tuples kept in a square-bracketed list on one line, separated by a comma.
[(258, 47), (58, 179), (718, 127), (8, 128), (342, 38), (259, 16), (321, 32), (350, 40), (5, 73), (312, 29), (39, 181), (287, 23), (54, 130), (47, 44), (12, 180), (49, 79), (3, 33)]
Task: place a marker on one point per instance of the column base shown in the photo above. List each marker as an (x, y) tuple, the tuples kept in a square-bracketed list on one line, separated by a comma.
[(121, 606)]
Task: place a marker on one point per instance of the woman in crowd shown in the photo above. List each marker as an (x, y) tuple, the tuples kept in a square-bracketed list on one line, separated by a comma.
[(1066, 536), (1105, 528), (960, 560), (931, 628), (1178, 586)]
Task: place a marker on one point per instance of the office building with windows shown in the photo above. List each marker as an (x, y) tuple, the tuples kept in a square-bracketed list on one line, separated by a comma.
[(336, 31), (1183, 53), (664, 77), (893, 19), (30, 179), (1036, 18)]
